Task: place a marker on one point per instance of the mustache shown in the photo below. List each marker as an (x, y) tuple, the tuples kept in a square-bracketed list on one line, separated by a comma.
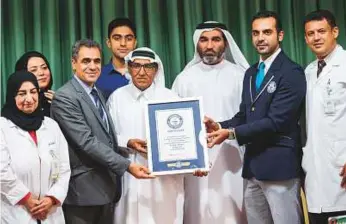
[(261, 43), (209, 52)]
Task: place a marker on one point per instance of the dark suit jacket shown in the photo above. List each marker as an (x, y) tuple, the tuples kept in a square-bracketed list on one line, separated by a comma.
[(267, 121), (96, 165)]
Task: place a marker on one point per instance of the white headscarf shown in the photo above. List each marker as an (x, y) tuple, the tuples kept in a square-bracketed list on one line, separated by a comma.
[(147, 53), (232, 52)]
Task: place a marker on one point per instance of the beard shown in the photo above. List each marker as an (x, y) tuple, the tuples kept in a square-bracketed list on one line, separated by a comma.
[(211, 57)]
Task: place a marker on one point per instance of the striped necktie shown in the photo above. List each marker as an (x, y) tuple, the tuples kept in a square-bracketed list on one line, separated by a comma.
[(320, 66), (99, 108)]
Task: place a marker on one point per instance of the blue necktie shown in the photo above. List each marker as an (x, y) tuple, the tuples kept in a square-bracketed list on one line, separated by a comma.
[(260, 75)]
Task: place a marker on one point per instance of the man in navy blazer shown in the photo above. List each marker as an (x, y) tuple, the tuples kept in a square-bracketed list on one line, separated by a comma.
[(267, 123)]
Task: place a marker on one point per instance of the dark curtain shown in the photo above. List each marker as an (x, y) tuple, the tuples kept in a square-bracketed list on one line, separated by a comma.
[(166, 26)]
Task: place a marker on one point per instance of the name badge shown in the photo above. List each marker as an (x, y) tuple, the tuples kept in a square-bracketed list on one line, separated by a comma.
[(329, 104), (55, 167), (329, 107)]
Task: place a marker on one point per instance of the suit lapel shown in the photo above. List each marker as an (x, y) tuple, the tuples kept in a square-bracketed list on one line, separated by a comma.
[(335, 61), (110, 123), (275, 66), (253, 73), (84, 95), (325, 71)]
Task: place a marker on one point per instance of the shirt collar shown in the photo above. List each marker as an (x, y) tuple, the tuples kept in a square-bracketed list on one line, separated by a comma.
[(331, 56), (269, 61), (110, 68), (137, 93), (85, 86)]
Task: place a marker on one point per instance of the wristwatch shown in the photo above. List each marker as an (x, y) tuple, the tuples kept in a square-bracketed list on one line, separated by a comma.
[(231, 135)]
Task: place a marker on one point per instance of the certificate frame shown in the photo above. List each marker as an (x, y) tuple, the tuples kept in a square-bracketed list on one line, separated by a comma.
[(155, 109)]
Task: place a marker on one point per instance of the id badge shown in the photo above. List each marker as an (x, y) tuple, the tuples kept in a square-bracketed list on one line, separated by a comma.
[(329, 107), (55, 167)]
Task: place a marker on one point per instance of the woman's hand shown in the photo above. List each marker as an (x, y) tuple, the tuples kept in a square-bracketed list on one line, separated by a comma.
[(31, 203), (49, 95), (42, 209)]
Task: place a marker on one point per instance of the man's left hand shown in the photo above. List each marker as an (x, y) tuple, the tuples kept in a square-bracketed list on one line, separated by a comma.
[(217, 137), (343, 175)]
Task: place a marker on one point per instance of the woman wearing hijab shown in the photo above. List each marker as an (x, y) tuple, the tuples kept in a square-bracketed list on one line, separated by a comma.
[(37, 64), (34, 166)]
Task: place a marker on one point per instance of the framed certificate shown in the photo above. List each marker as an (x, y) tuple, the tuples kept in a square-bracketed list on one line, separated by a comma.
[(176, 136)]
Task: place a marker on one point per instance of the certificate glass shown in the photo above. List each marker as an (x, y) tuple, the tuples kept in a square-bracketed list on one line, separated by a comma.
[(176, 136)]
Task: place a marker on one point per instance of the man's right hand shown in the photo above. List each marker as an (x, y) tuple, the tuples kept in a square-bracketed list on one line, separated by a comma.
[(140, 171), (210, 124)]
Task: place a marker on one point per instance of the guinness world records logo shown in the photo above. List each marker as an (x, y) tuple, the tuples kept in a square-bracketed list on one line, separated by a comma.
[(175, 121)]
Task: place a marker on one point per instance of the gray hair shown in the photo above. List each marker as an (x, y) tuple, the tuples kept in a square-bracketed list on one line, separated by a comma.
[(84, 43)]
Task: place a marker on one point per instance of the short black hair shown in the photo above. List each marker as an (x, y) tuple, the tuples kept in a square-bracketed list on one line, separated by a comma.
[(121, 22), (319, 15), (84, 43), (269, 14)]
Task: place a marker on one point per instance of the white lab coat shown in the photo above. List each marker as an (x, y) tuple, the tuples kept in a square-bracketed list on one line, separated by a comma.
[(27, 167), (156, 201), (217, 198), (325, 150)]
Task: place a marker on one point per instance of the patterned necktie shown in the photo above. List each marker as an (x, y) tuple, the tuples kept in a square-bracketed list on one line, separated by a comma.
[(97, 100), (320, 65), (260, 75)]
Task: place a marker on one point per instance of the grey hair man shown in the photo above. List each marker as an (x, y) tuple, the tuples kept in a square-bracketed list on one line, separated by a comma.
[(97, 163)]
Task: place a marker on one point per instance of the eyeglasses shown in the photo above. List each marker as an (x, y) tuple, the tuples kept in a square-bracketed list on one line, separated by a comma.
[(148, 68)]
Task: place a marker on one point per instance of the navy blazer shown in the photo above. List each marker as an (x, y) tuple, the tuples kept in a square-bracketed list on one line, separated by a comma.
[(267, 121)]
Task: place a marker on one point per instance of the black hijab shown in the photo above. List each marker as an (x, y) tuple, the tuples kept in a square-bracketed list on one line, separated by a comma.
[(27, 122), (22, 64)]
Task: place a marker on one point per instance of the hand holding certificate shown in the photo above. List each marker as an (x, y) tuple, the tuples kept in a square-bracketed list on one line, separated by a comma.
[(176, 137)]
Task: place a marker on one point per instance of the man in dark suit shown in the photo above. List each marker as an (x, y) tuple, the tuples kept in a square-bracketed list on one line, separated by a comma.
[(96, 160), (267, 123)]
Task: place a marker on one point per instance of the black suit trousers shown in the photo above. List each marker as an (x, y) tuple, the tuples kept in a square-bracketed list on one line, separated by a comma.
[(98, 214)]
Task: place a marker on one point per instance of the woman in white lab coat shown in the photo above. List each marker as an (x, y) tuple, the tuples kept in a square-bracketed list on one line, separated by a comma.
[(34, 157)]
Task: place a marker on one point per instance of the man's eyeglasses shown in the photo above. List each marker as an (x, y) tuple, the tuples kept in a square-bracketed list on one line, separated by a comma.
[(148, 68)]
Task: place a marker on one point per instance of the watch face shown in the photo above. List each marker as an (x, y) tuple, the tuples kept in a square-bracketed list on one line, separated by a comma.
[(231, 134)]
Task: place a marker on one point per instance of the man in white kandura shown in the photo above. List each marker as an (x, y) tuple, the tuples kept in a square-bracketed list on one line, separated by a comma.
[(159, 200), (218, 62)]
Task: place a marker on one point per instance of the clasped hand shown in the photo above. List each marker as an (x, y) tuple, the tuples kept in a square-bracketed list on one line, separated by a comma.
[(215, 134), (39, 209)]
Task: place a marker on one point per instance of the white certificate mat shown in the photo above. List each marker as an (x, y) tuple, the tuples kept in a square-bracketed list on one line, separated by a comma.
[(176, 136)]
